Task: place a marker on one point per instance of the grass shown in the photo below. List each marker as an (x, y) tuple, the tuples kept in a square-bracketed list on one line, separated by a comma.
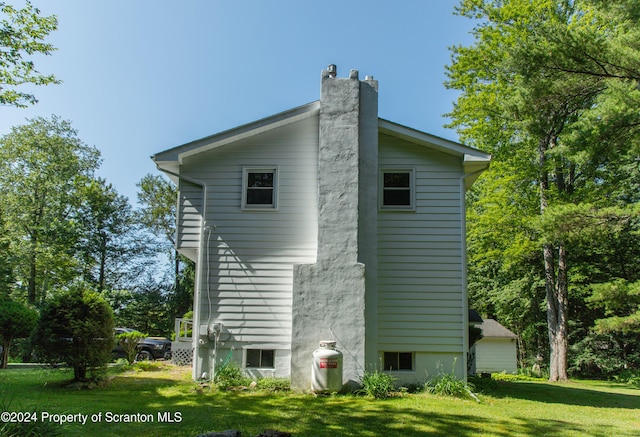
[(507, 408)]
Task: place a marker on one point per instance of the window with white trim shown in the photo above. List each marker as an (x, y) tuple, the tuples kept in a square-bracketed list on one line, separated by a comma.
[(260, 358), (259, 188), (397, 189), (398, 361)]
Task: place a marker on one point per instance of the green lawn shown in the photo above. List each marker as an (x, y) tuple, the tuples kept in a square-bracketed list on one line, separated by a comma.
[(507, 408)]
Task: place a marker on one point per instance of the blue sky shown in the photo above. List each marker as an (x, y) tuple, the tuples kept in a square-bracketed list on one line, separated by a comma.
[(142, 76)]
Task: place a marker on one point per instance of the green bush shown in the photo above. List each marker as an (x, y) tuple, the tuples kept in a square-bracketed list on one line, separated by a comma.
[(378, 385), (16, 321), (75, 329), (129, 341), (511, 377), (448, 384), (230, 375), (274, 384), (628, 376)]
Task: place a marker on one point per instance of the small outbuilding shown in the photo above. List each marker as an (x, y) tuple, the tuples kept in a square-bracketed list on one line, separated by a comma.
[(496, 351)]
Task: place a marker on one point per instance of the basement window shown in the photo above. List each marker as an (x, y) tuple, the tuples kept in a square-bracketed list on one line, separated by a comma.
[(397, 189), (398, 361), (259, 188), (260, 358)]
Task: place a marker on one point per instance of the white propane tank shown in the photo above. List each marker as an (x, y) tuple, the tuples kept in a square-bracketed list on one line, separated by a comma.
[(326, 369)]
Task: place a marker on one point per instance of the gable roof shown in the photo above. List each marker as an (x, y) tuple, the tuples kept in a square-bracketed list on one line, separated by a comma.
[(492, 329), (474, 161)]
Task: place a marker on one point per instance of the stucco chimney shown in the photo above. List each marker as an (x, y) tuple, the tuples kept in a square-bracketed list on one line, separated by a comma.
[(329, 296)]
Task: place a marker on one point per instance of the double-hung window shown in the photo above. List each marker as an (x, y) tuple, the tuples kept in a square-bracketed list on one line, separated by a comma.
[(259, 188), (397, 189)]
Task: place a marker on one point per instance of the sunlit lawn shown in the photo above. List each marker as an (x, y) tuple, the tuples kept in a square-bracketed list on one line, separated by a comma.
[(507, 408)]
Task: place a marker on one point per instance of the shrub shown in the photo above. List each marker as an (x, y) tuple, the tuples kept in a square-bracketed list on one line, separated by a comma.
[(448, 384), (75, 329), (129, 341), (274, 384), (510, 377), (378, 385), (16, 321), (628, 376), (230, 375)]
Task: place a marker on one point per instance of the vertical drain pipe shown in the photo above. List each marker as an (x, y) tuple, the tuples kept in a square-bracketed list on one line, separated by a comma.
[(203, 249), (463, 245)]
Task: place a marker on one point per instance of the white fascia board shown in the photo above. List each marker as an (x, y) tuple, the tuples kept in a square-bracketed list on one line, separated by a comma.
[(179, 153), (432, 141)]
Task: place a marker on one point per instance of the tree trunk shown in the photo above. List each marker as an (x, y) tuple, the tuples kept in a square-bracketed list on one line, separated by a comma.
[(562, 299), (556, 287), (552, 311), (79, 373), (103, 264), (6, 342), (31, 285)]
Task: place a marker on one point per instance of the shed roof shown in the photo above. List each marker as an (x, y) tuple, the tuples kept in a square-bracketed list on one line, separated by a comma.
[(492, 329)]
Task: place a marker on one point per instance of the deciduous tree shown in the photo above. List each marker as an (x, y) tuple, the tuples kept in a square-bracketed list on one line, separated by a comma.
[(22, 35), (43, 168), (549, 86)]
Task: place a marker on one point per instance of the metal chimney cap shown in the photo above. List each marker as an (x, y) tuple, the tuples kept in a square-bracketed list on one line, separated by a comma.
[(332, 70)]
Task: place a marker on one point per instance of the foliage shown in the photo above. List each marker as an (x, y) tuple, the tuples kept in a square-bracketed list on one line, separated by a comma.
[(129, 341), (6, 262), (229, 376), (604, 355), (631, 377), (550, 88), (448, 384), (511, 377), (274, 384), (43, 167), (22, 33), (144, 308), (157, 196), (112, 248), (376, 384), (75, 329), (16, 321), (620, 301)]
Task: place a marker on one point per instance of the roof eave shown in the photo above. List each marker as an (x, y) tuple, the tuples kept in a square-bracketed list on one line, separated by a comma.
[(179, 153)]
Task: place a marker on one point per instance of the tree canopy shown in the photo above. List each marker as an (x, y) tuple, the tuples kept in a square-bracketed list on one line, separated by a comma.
[(22, 35), (550, 88)]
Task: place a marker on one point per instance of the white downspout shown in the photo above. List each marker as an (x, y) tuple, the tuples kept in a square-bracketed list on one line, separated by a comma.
[(202, 250), (465, 299)]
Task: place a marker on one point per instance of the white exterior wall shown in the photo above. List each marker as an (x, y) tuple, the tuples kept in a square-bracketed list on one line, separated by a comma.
[(247, 271), (421, 302), (495, 355), (189, 219)]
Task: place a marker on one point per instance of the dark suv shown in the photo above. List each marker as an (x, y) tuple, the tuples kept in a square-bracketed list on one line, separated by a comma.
[(151, 348)]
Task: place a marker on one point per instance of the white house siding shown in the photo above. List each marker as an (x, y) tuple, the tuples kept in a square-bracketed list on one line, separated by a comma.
[(496, 355), (250, 256), (189, 219), (420, 282)]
